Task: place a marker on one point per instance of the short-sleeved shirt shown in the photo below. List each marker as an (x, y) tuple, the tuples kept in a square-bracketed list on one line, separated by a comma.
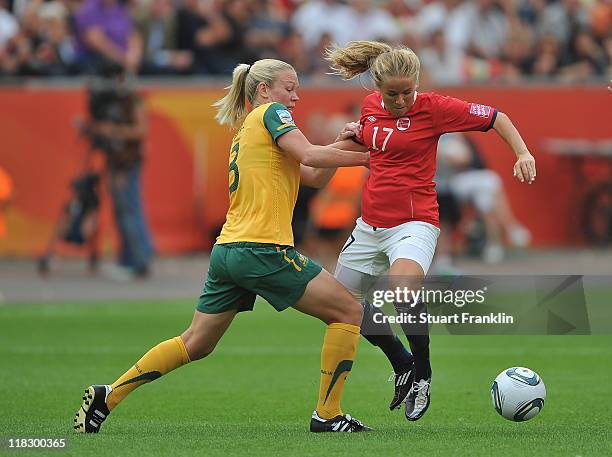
[(263, 180), (114, 20), (401, 185)]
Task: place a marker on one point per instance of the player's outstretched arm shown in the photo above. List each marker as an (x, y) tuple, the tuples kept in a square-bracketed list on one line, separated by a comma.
[(319, 177), (524, 168), (296, 144)]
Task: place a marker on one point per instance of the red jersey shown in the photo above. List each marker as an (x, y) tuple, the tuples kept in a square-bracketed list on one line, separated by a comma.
[(401, 185)]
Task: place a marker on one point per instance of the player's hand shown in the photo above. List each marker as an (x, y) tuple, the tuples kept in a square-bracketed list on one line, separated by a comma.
[(610, 86), (524, 168), (350, 130)]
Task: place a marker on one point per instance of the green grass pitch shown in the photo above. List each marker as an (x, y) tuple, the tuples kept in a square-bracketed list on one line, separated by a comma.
[(255, 394)]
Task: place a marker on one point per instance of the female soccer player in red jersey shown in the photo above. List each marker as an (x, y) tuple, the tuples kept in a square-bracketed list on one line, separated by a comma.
[(399, 225)]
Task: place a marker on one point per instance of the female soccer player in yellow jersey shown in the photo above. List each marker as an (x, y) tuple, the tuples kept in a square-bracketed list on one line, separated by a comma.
[(254, 254)]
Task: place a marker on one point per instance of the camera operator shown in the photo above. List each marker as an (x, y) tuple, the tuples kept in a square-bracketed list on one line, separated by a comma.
[(118, 127)]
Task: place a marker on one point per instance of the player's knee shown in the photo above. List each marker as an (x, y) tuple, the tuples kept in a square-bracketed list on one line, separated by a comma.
[(197, 346), (356, 313), (410, 282), (351, 312), (200, 350)]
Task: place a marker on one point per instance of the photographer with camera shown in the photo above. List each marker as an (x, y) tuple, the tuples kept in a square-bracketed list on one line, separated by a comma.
[(118, 127)]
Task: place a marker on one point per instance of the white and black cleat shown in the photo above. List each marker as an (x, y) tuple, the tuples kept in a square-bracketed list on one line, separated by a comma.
[(344, 423), (402, 384), (93, 410), (418, 399)]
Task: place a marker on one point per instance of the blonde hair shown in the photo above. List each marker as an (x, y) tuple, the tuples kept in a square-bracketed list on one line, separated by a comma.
[(245, 79), (380, 59)]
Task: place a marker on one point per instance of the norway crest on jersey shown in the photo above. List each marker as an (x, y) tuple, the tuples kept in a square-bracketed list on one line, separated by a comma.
[(403, 124)]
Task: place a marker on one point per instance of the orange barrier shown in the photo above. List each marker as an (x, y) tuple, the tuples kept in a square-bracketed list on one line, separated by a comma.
[(185, 175)]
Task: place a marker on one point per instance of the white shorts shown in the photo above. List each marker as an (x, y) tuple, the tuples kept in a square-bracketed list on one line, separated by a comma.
[(373, 250), (478, 186)]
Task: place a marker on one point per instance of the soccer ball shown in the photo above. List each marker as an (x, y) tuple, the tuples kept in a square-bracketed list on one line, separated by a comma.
[(518, 394)]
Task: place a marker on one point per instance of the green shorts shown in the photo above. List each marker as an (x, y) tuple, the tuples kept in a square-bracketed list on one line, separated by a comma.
[(238, 272)]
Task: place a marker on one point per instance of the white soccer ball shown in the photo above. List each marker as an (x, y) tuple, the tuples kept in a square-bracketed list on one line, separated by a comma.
[(518, 394)]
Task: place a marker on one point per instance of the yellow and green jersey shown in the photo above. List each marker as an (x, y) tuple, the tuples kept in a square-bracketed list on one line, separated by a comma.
[(263, 180)]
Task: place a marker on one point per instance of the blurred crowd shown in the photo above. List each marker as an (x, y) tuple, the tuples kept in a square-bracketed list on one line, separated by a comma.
[(458, 41)]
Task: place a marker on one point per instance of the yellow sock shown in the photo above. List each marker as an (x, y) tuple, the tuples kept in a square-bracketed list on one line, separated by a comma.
[(339, 346), (160, 360)]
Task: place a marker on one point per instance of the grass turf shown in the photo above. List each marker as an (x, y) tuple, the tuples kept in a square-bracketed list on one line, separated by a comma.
[(254, 396)]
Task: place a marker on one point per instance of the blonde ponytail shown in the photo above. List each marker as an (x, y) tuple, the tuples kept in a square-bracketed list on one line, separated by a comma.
[(355, 58), (233, 107), (380, 59)]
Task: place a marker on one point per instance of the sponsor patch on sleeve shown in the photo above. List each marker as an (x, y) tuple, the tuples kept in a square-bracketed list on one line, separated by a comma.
[(480, 110), (285, 116)]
